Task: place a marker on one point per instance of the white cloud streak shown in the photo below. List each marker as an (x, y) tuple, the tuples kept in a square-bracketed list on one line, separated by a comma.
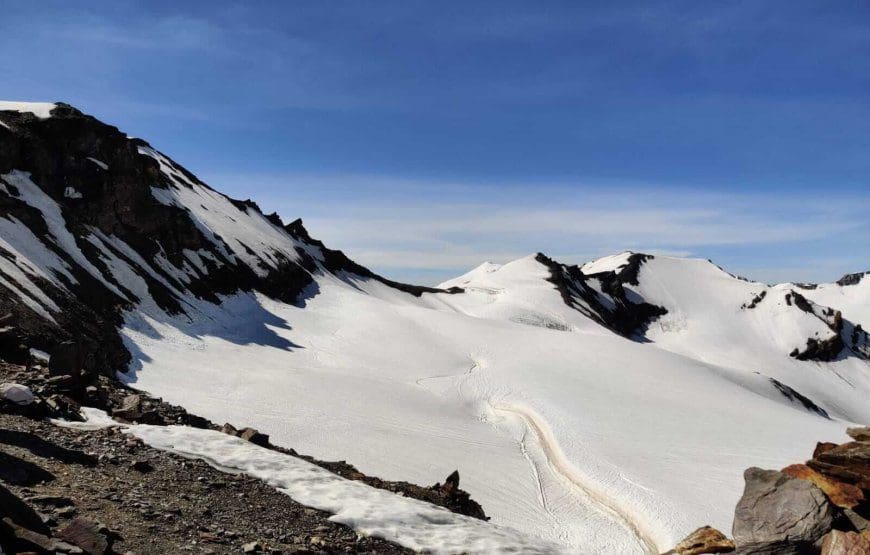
[(410, 226)]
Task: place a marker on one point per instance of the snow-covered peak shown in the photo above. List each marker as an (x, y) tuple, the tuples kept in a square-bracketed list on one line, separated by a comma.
[(611, 263), (41, 110)]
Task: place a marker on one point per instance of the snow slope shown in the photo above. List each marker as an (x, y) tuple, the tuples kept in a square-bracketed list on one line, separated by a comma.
[(588, 439)]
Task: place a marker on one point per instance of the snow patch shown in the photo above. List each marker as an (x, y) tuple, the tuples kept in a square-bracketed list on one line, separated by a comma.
[(42, 110), (70, 192), (102, 165)]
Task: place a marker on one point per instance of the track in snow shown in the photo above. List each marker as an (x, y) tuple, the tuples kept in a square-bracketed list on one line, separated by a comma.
[(606, 505), (570, 480)]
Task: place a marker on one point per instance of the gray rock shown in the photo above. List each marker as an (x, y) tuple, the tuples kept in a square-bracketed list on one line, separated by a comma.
[(16, 393), (779, 514), (859, 521)]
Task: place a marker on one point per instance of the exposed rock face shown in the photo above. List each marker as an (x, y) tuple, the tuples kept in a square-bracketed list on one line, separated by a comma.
[(625, 317), (852, 279), (792, 395), (703, 540), (849, 463), (778, 511), (90, 195)]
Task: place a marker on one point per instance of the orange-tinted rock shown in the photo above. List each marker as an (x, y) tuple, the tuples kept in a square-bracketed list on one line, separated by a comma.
[(841, 494), (845, 543), (703, 540)]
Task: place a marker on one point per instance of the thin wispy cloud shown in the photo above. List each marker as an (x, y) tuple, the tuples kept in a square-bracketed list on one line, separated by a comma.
[(445, 228)]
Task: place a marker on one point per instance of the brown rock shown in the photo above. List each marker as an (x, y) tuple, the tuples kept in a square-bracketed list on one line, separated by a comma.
[(252, 435), (822, 447), (229, 429), (86, 535), (849, 462), (131, 408), (841, 494), (861, 433), (704, 540), (845, 543)]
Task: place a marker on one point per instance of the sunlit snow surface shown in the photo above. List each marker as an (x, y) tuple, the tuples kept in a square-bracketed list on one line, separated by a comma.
[(582, 438)]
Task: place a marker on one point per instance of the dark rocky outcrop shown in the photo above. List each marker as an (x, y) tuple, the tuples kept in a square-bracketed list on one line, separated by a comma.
[(61, 154), (852, 279), (792, 395), (617, 312)]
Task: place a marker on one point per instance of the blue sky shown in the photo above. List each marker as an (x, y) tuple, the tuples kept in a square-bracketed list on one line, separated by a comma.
[(425, 137)]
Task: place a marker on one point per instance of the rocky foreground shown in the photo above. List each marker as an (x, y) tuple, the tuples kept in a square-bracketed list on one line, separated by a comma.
[(101, 491), (818, 507)]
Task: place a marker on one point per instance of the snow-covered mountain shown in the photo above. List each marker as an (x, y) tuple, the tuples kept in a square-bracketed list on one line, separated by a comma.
[(609, 407)]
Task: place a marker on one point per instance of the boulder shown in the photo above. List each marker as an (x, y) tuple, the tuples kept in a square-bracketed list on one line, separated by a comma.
[(837, 542), (703, 540), (67, 358), (131, 408), (16, 393), (87, 535), (252, 435), (228, 428), (779, 511), (849, 462), (841, 494), (861, 433)]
